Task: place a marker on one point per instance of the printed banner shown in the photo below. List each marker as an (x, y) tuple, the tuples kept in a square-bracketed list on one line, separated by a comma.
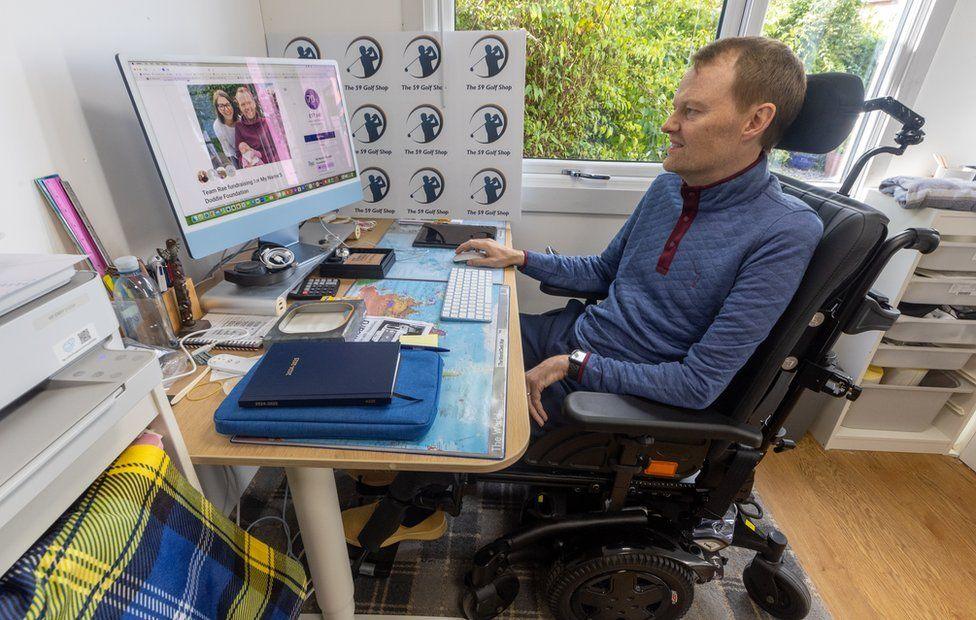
[(438, 124)]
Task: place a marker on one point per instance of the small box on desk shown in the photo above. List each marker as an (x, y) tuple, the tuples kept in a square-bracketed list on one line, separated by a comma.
[(373, 263)]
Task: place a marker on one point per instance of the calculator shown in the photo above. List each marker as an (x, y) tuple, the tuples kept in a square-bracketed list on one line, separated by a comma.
[(315, 287)]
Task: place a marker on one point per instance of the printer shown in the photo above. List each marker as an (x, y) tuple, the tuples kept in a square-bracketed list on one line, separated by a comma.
[(40, 336), (71, 399)]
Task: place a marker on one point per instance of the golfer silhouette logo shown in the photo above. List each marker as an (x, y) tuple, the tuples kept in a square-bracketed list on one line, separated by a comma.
[(363, 58), (302, 47), (422, 57), (424, 124), (369, 122), (426, 185), (377, 184), (488, 56), (487, 124), (487, 186)]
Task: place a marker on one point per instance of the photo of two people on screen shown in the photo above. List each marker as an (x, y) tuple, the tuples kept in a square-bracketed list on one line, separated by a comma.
[(241, 124)]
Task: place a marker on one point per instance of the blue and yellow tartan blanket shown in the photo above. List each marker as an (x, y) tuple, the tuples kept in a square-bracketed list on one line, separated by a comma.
[(143, 543)]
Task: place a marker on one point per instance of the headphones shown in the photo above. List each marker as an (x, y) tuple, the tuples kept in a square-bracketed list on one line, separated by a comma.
[(270, 263)]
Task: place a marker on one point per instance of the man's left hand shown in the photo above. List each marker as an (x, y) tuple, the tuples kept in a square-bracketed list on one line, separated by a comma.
[(539, 378)]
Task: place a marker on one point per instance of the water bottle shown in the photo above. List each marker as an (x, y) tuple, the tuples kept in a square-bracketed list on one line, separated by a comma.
[(139, 306)]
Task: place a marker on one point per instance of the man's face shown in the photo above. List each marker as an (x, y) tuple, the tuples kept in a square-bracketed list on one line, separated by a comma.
[(246, 103), (706, 125)]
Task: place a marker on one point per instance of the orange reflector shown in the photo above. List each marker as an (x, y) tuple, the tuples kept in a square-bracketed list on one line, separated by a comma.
[(661, 468)]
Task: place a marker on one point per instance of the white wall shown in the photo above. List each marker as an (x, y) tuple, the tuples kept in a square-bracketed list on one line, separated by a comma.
[(947, 100), (65, 110), (375, 15)]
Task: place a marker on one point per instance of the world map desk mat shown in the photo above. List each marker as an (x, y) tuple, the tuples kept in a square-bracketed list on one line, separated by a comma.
[(471, 416), (426, 263)]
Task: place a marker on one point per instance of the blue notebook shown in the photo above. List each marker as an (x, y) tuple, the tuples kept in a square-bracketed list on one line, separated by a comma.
[(402, 420), (321, 373)]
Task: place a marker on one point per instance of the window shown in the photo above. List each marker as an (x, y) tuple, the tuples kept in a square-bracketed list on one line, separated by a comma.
[(600, 74), (852, 36)]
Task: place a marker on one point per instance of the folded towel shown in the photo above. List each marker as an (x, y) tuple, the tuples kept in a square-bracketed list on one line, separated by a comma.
[(918, 192)]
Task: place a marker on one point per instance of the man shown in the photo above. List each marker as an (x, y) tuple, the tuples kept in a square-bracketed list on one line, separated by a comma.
[(253, 129), (705, 265)]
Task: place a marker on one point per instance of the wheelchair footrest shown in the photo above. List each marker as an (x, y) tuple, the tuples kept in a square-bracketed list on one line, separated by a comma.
[(379, 564)]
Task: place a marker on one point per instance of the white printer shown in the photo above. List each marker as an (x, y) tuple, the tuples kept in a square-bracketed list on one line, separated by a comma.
[(41, 336), (70, 400)]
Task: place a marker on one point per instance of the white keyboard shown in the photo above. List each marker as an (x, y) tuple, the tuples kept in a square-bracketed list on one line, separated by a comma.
[(468, 296)]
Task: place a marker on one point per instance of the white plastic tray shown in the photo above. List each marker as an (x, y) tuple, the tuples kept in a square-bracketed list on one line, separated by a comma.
[(951, 256), (904, 408), (938, 331), (916, 356), (949, 289)]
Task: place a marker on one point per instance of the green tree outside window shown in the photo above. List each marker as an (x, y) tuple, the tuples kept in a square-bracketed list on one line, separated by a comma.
[(600, 74)]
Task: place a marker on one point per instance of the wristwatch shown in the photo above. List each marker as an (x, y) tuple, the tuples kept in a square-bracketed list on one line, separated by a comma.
[(577, 360)]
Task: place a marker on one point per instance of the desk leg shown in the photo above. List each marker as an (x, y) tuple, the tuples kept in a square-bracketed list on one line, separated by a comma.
[(320, 520)]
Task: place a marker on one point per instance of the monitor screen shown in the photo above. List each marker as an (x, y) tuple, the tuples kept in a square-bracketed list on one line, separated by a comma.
[(244, 146)]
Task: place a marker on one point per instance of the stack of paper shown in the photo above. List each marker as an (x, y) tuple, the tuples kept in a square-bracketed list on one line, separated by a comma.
[(24, 277)]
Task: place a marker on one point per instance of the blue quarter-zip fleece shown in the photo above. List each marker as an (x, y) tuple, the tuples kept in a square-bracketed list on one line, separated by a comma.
[(696, 279)]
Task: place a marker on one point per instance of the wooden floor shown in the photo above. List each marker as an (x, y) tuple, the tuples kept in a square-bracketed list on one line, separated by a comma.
[(881, 534)]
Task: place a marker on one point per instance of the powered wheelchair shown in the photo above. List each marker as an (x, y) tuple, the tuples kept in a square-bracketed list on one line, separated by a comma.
[(634, 502)]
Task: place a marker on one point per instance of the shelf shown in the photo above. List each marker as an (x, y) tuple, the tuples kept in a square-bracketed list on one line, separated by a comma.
[(932, 440)]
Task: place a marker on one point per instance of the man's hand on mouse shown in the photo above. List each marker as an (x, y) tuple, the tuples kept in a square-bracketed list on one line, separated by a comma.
[(495, 255)]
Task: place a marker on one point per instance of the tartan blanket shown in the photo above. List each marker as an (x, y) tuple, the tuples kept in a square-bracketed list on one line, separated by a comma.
[(142, 543)]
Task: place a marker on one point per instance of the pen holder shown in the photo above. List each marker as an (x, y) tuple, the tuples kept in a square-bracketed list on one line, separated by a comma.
[(169, 300)]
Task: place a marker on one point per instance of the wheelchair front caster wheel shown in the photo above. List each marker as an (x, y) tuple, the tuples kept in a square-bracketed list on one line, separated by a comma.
[(776, 590), (489, 600)]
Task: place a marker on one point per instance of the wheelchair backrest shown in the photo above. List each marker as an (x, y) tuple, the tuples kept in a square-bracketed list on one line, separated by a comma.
[(852, 232)]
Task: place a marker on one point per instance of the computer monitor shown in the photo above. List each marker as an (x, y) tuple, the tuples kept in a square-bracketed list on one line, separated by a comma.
[(245, 147)]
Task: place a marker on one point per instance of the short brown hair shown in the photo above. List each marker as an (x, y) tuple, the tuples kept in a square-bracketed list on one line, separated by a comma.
[(766, 71)]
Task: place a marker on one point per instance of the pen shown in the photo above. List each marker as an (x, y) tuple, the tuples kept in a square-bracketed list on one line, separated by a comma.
[(418, 347)]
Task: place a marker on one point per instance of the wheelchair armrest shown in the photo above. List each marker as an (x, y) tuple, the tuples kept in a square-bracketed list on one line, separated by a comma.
[(565, 292), (599, 411)]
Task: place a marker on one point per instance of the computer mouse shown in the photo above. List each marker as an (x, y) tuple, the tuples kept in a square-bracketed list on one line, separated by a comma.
[(464, 257)]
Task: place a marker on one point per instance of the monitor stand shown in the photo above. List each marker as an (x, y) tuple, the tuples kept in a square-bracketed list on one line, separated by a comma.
[(305, 253)]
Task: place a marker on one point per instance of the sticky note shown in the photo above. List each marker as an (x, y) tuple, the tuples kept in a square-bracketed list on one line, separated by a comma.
[(426, 340)]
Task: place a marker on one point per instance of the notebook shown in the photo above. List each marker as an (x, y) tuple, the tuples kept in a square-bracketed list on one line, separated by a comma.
[(258, 326), (322, 373)]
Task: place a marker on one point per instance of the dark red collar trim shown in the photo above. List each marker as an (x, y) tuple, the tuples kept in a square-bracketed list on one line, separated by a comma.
[(699, 188)]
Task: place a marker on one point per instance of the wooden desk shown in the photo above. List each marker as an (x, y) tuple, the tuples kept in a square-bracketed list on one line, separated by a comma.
[(310, 472)]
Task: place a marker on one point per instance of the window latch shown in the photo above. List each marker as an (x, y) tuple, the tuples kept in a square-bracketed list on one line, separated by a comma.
[(579, 174)]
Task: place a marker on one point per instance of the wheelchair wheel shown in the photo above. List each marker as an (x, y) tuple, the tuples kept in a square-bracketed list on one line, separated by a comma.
[(776, 590), (629, 585)]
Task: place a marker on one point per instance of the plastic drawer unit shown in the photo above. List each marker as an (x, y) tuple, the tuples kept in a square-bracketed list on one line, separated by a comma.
[(936, 331), (891, 355), (938, 288), (951, 256), (904, 408)]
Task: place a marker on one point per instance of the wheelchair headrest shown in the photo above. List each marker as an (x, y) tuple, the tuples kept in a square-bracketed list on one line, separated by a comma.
[(830, 109)]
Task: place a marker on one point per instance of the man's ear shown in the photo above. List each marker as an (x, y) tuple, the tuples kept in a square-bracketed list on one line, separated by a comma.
[(762, 116)]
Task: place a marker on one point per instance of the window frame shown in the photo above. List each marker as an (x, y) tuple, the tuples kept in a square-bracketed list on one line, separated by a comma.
[(906, 60)]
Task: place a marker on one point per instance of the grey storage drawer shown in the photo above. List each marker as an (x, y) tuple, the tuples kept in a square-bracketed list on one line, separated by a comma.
[(950, 256), (904, 408), (952, 290), (938, 331), (891, 355)]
